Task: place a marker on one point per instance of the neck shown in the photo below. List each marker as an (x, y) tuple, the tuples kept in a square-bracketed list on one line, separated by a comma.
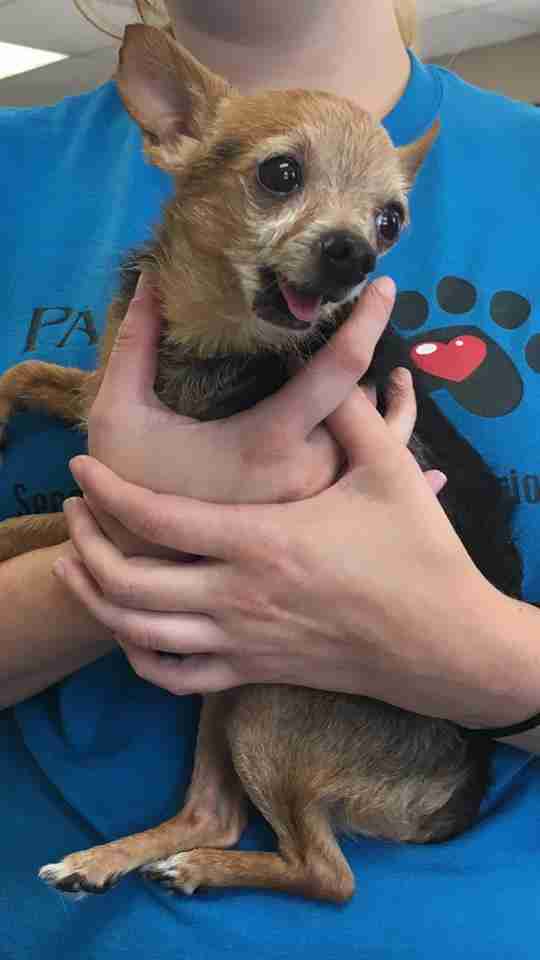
[(352, 48)]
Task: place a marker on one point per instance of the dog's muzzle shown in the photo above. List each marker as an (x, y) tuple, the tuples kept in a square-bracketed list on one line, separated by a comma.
[(343, 263)]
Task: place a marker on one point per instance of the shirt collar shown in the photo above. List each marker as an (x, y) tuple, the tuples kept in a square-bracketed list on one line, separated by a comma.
[(419, 105)]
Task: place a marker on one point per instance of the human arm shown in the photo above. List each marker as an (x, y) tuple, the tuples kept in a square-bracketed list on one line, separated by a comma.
[(391, 627), (46, 633), (383, 601), (366, 605)]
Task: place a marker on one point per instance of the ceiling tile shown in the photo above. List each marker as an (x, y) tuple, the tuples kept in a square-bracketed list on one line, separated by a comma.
[(67, 78), (49, 25)]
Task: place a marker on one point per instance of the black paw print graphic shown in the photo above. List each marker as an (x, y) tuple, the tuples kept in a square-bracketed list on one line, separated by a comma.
[(465, 360)]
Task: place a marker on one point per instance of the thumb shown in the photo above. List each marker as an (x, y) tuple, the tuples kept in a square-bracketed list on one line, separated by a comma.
[(313, 393), (130, 372), (365, 436)]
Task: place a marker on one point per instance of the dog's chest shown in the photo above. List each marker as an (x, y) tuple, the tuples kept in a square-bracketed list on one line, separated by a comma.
[(215, 387)]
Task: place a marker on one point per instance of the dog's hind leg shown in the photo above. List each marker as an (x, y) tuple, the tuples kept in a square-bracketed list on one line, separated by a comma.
[(288, 772), (214, 815), (309, 863)]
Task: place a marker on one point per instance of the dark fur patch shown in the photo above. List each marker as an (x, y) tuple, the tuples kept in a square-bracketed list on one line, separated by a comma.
[(225, 151)]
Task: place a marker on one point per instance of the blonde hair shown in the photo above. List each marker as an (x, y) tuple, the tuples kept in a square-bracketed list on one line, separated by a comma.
[(407, 21), (151, 11), (154, 12)]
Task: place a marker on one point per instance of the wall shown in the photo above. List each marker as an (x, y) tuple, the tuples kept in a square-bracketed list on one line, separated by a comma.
[(510, 68)]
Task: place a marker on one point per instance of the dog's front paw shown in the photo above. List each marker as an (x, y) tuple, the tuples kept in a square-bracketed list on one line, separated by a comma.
[(183, 872), (87, 872)]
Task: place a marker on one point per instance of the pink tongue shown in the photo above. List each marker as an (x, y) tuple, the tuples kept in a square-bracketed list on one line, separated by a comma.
[(303, 307)]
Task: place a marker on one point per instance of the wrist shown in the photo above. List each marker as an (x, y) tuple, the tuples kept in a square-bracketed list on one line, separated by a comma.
[(508, 670), (458, 649)]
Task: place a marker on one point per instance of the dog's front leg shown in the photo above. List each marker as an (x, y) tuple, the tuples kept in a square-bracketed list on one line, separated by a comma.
[(63, 392), (36, 385), (214, 815)]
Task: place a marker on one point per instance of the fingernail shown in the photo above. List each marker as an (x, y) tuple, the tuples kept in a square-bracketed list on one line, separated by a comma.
[(401, 376), (440, 480), (75, 465), (385, 286), (142, 289)]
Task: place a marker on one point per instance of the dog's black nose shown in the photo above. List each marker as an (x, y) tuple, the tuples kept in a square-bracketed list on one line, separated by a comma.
[(345, 259)]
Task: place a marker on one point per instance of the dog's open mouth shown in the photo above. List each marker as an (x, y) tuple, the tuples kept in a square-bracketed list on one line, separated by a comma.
[(302, 308), (285, 305)]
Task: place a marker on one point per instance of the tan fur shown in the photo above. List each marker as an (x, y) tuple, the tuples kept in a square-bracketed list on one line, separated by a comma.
[(20, 534), (312, 762), (37, 385)]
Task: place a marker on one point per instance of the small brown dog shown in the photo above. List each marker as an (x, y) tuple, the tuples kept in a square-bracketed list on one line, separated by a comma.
[(283, 202)]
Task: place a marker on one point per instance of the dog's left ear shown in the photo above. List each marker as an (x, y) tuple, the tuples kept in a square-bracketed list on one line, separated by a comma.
[(166, 90), (413, 155)]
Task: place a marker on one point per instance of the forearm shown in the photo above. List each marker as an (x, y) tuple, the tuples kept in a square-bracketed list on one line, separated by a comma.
[(479, 657), (46, 634), (512, 678)]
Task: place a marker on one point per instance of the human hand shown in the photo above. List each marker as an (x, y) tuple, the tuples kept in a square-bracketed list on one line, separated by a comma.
[(279, 450), (353, 589)]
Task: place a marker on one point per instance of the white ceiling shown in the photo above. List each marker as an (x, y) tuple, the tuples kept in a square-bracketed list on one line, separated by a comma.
[(448, 27)]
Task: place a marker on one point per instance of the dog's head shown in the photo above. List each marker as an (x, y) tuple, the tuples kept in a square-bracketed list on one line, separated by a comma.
[(284, 202)]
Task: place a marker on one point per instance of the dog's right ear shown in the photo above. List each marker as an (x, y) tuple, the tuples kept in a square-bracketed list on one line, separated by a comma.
[(166, 90), (413, 155)]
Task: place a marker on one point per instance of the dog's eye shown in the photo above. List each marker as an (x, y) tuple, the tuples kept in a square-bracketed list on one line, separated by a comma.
[(280, 175), (389, 222)]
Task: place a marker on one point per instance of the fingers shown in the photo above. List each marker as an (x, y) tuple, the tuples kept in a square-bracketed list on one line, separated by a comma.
[(195, 674), (322, 385), (400, 416), (399, 422), (401, 410), (360, 430), (180, 523), (126, 542), (131, 369), (436, 480), (144, 583), (177, 633)]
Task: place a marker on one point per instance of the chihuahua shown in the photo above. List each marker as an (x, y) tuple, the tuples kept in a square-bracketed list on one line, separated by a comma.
[(284, 201)]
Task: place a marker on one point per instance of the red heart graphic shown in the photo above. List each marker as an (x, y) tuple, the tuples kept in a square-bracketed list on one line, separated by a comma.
[(450, 361)]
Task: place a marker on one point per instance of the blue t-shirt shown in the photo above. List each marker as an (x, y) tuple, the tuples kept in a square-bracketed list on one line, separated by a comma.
[(103, 753)]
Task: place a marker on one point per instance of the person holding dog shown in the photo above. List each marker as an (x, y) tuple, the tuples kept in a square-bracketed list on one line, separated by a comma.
[(452, 646)]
